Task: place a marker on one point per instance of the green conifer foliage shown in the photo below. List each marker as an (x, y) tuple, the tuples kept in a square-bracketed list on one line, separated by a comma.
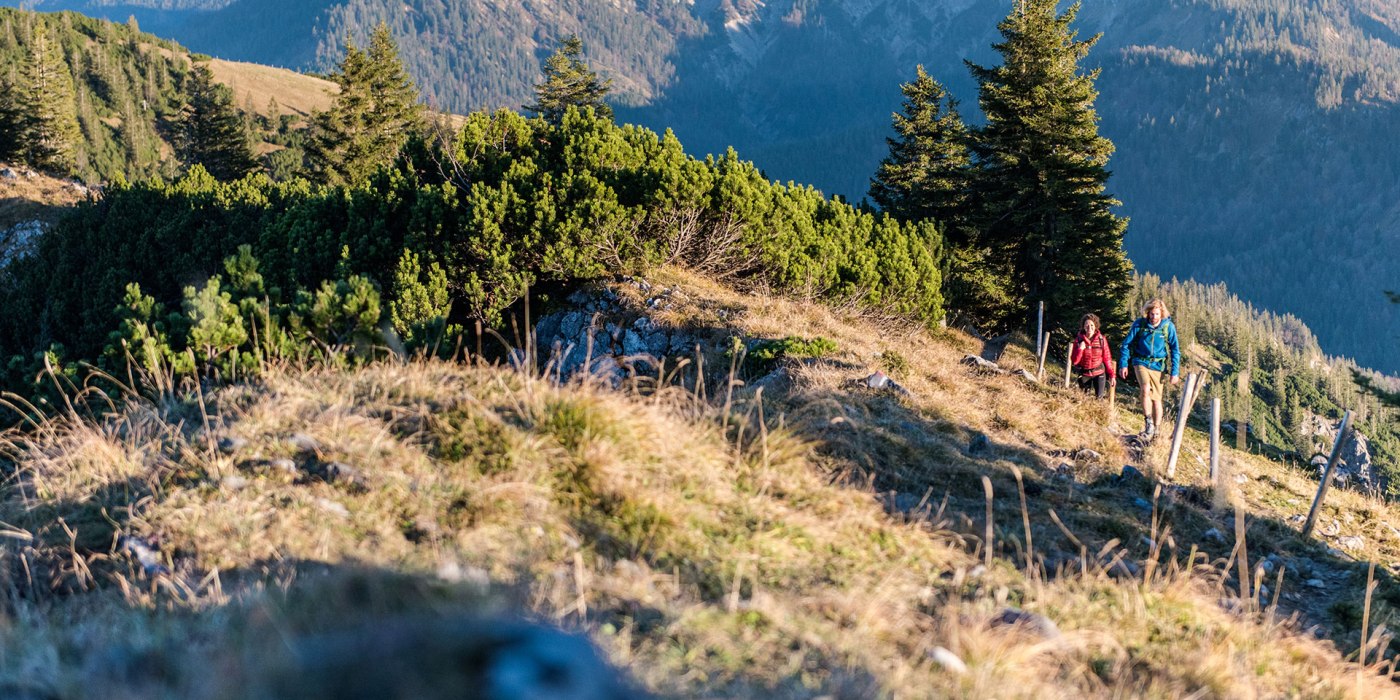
[(372, 117), (925, 174), (210, 131), (49, 132), (568, 81), (1042, 209)]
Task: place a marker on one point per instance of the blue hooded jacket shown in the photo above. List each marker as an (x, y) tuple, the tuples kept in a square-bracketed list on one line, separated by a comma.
[(1148, 346)]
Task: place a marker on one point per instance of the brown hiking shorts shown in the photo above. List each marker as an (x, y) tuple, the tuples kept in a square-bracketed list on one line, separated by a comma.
[(1149, 381)]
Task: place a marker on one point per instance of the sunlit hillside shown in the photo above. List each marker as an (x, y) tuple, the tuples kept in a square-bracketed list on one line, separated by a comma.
[(720, 526)]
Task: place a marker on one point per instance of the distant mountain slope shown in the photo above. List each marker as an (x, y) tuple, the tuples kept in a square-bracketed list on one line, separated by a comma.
[(1254, 136)]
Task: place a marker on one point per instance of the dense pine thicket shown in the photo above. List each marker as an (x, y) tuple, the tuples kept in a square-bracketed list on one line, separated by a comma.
[(120, 84), (228, 271)]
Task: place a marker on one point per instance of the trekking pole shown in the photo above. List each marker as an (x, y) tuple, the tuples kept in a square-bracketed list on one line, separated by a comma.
[(1327, 475), (1186, 396), (1039, 327)]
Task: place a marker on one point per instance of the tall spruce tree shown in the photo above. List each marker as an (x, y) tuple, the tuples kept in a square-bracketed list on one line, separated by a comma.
[(925, 175), (210, 131), (569, 82), (49, 135), (373, 116), (1042, 209)]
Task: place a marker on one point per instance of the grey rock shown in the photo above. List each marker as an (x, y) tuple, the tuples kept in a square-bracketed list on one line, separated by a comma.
[(9, 174), (304, 443), (1213, 535), (1315, 583), (284, 465), (978, 444), (437, 659), (1032, 623), (144, 554), (1142, 503), (1124, 569), (1064, 472), (231, 444), (342, 473), (1026, 375), (981, 365), (1088, 455), (333, 507), (1352, 543), (1130, 472)]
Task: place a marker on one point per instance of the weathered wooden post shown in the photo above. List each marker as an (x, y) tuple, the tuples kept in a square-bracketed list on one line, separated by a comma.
[(1069, 353), (1327, 475), (1186, 395), (1215, 442), (1044, 349)]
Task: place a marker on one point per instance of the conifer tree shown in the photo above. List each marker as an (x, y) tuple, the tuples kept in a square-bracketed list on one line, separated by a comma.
[(10, 121), (372, 117), (1042, 209), (925, 174), (210, 132), (49, 134), (569, 82)]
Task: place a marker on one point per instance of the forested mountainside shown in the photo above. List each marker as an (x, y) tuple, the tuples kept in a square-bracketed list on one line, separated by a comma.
[(1253, 135)]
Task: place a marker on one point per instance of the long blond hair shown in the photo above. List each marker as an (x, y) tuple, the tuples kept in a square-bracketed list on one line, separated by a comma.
[(1147, 308)]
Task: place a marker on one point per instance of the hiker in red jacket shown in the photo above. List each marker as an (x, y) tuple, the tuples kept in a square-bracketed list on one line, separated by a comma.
[(1092, 358)]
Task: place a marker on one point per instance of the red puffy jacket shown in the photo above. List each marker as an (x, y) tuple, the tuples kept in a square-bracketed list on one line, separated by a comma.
[(1091, 356)]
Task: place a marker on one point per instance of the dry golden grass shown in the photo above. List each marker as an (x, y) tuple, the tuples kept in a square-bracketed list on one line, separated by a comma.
[(749, 553), (257, 85)]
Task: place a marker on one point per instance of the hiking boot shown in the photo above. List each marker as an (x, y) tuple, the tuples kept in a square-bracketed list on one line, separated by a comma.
[(1150, 431)]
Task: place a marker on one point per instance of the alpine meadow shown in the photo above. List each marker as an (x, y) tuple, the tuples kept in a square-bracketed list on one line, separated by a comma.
[(313, 388)]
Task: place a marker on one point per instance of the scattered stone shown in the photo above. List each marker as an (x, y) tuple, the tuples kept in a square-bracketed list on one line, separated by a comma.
[(1088, 455), (229, 445), (948, 661), (143, 553), (333, 507), (1142, 503), (1038, 625), (978, 444), (1064, 472), (1352, 543), (285, 466), (1264, 592), (881, 381), (304, 443), (9, 174), (342, 473), (1130, 472), (981, 365), (1267, 566), (434, 658), (1026, 375), (1315, 583), (1296, 518), (1241, 478), (235, 482), (977, 571), (1213, 535), (1331, 529), (1124, 569)]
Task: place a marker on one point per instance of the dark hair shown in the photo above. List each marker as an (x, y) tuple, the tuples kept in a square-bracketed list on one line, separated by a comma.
[(1090, 317)]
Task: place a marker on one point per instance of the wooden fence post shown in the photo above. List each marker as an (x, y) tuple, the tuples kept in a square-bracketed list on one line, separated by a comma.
[(1215, 442), (1327, 475), (1186, 395), (1044, 349), (1069, 353)]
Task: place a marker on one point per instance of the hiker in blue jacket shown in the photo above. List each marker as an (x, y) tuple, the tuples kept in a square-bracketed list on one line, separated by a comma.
[(1150, 341)]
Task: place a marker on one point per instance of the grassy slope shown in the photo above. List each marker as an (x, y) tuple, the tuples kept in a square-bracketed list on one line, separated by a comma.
[(257, 85), (714, 553)]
